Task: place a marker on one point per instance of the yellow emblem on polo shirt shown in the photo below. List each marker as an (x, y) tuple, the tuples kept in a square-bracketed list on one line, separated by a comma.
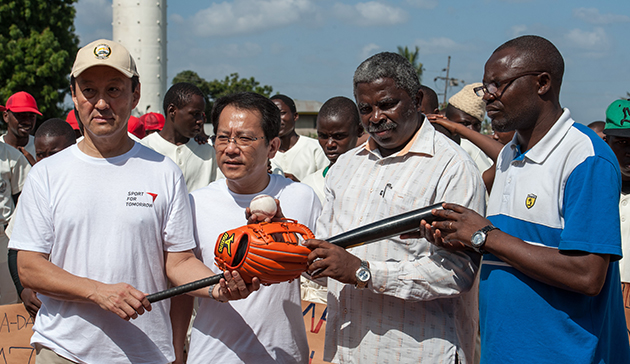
[(530, 200), (102, 51)]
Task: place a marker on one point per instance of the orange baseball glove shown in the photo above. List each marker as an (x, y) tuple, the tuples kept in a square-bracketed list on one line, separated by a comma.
[(269, 251)]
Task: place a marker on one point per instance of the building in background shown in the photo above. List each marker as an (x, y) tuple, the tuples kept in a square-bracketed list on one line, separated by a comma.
[(140, 26)]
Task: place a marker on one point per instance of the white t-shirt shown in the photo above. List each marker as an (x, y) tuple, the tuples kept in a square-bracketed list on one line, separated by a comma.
[(480, 158), (304, 158), (109, 220), (267, 327), (316, 182), (30, 146), (197, 161)]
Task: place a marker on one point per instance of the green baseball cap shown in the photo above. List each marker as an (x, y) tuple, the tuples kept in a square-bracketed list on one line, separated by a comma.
[(618, 119)]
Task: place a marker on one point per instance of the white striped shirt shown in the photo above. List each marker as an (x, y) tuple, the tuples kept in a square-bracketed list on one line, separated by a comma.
[(421, 303)]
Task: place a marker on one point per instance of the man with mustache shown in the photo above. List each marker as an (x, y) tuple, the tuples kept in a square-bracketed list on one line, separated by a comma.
[(396, 300), (550, 286)]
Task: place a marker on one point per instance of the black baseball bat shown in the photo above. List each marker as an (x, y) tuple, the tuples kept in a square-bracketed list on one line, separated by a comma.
[(378, 230)]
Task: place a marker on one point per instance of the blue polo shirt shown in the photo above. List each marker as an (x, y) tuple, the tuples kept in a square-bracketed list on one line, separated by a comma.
[(563, 193)]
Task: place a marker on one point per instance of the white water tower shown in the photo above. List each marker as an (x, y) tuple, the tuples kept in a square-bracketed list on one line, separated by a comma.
[(140, 26)]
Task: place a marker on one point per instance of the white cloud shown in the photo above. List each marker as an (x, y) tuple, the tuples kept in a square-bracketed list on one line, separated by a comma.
[(440, 45), (592, 16), (369, 50), (238, 51), (423, 4), (372, 13), (597, 40), (93, 20), (250, 16), (518, 30)]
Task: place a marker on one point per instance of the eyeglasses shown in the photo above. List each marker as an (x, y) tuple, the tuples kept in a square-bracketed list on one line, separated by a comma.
[(239, 141), (493, 87)]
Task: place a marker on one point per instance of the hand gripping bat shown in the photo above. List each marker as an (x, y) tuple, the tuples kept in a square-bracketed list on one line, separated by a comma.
[(239, 244)]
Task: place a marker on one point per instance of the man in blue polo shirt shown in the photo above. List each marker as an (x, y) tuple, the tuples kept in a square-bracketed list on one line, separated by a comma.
[(550, 288)]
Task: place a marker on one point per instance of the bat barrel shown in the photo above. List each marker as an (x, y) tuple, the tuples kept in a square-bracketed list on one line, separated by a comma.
[(185, 288), (391, 226)]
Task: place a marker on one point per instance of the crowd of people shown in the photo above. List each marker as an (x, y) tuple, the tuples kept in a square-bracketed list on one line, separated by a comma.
[(524, 263)]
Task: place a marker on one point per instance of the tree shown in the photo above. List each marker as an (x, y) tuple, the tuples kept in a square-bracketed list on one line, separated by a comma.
[(218, 88), (413, 59), (38, 46)]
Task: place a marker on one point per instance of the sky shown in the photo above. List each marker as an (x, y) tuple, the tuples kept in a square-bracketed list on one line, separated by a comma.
[(309, 49)]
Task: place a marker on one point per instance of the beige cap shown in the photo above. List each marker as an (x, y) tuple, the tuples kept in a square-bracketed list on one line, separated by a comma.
[(104, 52), (467, 101)]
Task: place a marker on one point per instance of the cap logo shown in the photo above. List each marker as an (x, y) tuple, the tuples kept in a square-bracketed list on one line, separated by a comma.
[(102, 51)]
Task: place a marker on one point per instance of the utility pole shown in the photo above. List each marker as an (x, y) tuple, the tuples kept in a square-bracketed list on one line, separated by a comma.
[(448, 81)]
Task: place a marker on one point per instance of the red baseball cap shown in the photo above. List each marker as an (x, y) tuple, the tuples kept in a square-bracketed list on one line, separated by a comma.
[(153, 121), (22, 102), (2, 108), (72, 120), (136, 127)]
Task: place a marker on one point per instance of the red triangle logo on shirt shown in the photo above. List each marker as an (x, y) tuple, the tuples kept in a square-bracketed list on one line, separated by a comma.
[(154, 195)]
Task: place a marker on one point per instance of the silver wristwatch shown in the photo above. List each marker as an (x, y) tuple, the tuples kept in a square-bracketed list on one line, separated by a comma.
[(363, 275), (478, 239)]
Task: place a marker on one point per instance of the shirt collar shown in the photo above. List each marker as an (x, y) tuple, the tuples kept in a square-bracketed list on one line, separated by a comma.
[(421, 143), (539, 152)]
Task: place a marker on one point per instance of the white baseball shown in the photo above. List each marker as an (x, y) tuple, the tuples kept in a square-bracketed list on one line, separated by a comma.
[(263, 205)]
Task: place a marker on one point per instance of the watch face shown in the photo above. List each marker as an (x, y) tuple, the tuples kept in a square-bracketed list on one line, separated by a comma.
[(363, 275), (477, 239)]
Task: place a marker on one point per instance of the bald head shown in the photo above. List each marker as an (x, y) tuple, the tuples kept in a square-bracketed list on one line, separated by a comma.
[(537, 54)]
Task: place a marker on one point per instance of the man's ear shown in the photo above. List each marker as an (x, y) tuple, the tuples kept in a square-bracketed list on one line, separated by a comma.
[(296, 116), (274, 145), (5, 116), (419, 97), (136, 96), (171, 110), (544, 83)]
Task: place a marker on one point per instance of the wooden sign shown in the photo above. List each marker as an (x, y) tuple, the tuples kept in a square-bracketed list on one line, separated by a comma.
[(315, 322), (16, 328)]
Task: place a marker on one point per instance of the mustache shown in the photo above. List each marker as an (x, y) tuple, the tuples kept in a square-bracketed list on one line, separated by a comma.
[(382, 126)]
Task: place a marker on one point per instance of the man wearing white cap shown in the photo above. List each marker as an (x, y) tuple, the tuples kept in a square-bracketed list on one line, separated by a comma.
[(105, 211), (20, 114)]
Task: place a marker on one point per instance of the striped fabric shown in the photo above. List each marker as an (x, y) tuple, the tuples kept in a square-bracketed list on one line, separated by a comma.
[(421, 305)]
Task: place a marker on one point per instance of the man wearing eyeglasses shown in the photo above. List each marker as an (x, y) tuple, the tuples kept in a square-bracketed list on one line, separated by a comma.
[(550, 286), (269, 328)]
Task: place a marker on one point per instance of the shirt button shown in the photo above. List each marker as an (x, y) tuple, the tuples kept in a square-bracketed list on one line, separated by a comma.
[(624, 202), (382, 289), (623, 219), (345, 310)]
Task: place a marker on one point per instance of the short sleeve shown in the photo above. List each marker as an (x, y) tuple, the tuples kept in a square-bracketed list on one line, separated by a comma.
[(591, 208), (178, 227)]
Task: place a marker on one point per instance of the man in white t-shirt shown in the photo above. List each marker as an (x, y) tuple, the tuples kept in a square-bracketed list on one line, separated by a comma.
[(267, 327), (183, 106), (102, 212), (20, 115), (298, 156)]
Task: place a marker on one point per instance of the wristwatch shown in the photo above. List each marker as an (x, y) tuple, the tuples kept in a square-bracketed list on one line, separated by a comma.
[(478, 239), (363, 275)]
